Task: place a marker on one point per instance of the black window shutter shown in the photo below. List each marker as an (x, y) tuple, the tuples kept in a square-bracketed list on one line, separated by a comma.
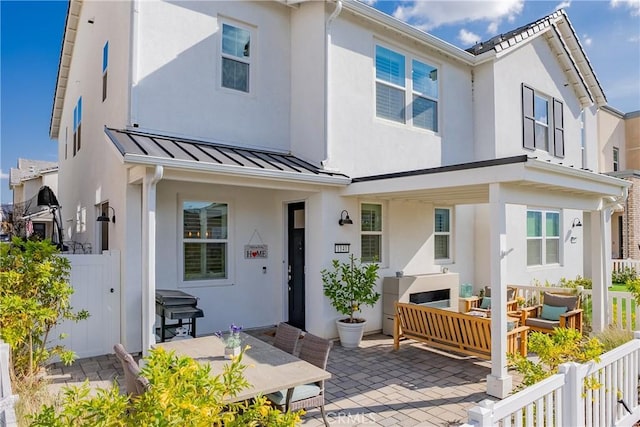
[(528, 120), (558, 128)]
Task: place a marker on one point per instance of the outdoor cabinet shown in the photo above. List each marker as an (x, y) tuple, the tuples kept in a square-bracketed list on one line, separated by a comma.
[(433, 290)]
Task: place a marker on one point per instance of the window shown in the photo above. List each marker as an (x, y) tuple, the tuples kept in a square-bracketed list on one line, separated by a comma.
[(371, 232), (442, 234), (236, 57), (543, 237), (205, 240), (392, 93), (77, 126), (616, 159), (543, 122), (105, 64)]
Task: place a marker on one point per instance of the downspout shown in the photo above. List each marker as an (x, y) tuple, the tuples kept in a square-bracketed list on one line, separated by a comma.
[(327, 69), (149, 257)]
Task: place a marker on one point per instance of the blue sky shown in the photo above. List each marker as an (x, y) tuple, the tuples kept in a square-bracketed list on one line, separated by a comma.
[(31, 34)]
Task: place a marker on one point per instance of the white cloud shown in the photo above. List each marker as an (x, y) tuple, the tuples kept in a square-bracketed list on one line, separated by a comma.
[(468, 38), (634, 39), (369, 2), (429, 14), (586, 40), (493, 28), (563, 5), (634, 5), (3, 174)]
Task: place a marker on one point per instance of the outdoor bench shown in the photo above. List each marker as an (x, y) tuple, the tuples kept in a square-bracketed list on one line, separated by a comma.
[(449, 330)]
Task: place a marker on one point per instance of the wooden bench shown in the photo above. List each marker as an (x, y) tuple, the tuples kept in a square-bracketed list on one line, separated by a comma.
[(448, 330)]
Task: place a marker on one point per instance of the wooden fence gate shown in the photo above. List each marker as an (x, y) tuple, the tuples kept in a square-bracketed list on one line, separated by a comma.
[(96, 283)]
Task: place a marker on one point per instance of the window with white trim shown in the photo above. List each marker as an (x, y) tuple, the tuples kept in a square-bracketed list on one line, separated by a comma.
[(543, 122), (543, 237), (205, 240), (371, 232), (442, 234), (616, 159), (236, 57), (414, 100)]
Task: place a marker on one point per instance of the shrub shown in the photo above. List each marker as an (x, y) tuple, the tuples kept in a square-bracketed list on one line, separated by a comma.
[(182, 392), (34, 298), (613, 337), (633, 285), (624, 275), (564, 345), (586, 283)]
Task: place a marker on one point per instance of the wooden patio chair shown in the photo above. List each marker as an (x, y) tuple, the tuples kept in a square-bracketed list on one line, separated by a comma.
[(314, 350), (286, 337), (557, 310), (135, 383), (484, 303)]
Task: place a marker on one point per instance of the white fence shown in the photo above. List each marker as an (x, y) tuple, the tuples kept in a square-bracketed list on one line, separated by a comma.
[(7, 398), (619, 265), (565, 399)]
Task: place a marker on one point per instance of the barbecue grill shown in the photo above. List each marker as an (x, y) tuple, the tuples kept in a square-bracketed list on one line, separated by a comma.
[(176, 305)]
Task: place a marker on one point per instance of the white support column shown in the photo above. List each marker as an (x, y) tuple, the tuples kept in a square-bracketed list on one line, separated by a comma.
[(600, 266), (149, 258), (499, 382)]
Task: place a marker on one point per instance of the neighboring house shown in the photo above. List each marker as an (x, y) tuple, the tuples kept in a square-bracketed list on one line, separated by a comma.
[(211, 128), (25, 181), (619, 151)]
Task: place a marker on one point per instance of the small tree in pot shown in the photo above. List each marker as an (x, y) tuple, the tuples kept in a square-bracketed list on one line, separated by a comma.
[(349, 285)]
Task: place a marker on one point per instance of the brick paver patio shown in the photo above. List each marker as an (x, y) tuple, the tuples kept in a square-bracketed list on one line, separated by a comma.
[(370, 386)]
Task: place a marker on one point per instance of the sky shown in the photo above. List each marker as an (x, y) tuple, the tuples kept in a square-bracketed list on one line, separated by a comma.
[(31, 37)]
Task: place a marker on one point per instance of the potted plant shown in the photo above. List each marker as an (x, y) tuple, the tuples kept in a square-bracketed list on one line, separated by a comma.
[(349, 285)]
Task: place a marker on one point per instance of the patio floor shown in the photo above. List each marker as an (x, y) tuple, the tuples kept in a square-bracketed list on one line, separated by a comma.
[(371, 386)]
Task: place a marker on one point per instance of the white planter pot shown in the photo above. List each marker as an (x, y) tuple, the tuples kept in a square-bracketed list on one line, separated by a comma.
[(350, 333)]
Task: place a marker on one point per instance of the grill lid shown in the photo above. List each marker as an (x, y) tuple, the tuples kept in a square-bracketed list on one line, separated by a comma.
[(171, 297)]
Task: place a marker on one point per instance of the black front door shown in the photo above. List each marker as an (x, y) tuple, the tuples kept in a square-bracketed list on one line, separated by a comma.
[(295, 268)]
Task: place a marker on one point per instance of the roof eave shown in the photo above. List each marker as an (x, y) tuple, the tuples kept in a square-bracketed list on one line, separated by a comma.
[(189, 165)]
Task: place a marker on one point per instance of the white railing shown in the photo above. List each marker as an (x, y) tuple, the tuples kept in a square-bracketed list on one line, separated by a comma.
[(7, 398), (621, 264), (564, 399)]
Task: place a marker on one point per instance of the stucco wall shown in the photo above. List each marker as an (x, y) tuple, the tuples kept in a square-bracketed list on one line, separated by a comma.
[(611, 133)]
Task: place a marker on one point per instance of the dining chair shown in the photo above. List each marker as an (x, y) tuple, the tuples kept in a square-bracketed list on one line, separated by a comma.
[(314, 350), (135, 383), (286, 337)]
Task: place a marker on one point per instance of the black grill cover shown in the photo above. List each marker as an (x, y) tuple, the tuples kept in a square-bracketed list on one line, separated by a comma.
[(173, 297)]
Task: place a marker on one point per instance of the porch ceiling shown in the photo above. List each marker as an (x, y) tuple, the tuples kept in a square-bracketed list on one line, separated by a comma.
[(469, 183)]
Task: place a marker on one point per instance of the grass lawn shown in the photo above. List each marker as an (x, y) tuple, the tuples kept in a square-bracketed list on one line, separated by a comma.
[(619, 287)]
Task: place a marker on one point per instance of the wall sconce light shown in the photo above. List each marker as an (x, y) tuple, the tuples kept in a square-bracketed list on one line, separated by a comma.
[(344, 219), (576, 223), (105, 218)]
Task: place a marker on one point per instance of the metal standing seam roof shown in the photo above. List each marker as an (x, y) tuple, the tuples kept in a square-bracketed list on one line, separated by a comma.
[(163, 148)]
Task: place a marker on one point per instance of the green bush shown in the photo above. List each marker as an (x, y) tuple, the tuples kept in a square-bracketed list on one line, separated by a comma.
[(624, 275), (574, 283), (182, 392), (34, 297), (564, 345)]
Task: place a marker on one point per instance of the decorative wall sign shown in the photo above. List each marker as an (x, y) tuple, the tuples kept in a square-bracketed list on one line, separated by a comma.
[(256, 251), (341, 248)]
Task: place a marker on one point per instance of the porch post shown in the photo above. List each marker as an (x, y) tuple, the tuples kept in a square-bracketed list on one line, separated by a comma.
[(600, 266), (149, 257), (499, 382)]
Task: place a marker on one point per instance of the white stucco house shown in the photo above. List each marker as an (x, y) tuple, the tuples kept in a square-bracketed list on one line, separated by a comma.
[(214, 129)]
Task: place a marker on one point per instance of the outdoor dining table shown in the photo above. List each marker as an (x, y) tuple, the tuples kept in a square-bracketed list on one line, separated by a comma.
[(269, 369)]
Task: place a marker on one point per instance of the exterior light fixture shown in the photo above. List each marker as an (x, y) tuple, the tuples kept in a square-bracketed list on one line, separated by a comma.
[(344, 218), (105, 218), (576, 223)]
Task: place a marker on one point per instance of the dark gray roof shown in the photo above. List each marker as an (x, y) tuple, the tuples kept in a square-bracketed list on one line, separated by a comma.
[(162, 147)]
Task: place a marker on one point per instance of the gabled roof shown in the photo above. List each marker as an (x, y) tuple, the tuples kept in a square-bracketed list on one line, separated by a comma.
[(28, 169), (182, 153), (562, 39)]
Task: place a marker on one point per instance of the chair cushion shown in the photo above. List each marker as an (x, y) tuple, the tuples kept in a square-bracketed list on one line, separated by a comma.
[(300, 392), (537, 322), (568, 301), (486, 303), (550, 312)]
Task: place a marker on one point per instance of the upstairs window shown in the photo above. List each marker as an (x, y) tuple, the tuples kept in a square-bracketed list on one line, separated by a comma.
[(205, 240), (616, 159), (442, 234), (543, 122), (77, 126), (371, 232), (543, 237), (236, 57), (412, 101), (105, 65)]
